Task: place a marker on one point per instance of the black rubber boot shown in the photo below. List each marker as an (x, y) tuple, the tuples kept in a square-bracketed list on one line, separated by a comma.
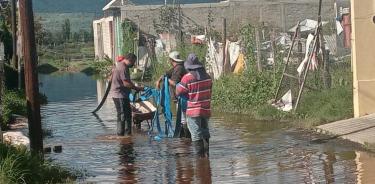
[(206, 146), (199, 148)]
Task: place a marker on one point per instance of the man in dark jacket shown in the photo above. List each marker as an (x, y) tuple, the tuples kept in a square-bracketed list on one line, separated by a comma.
[(175, 75)]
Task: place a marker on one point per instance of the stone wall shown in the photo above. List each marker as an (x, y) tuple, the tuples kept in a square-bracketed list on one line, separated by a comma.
[(282, 14)]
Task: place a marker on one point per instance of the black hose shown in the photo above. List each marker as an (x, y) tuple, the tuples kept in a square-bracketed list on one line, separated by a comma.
[(104, 98)]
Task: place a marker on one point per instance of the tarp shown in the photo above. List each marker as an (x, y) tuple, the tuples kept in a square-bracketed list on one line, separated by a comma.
[(169, 41), (285, 103), (198, 39), (307, 25)]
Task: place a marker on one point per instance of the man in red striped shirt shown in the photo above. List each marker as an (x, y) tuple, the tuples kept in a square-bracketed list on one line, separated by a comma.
[(197, 85)]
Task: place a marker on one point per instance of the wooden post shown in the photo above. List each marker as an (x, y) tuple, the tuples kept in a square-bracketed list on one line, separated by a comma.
[(224, 42), (259, 56), (273, 51), (326, 67), (138, 39), (287, 61), (1, 87), (317, 33), (180, 23), (31, 76), (14, 34)]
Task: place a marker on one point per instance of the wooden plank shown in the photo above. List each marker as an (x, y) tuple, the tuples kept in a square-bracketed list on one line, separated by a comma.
[(359, 130)]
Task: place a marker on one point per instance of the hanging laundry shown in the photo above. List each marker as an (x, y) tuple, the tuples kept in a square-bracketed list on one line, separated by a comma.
[(214, 59), (308, 51), (227, 67), (234, 52), (240, 65)]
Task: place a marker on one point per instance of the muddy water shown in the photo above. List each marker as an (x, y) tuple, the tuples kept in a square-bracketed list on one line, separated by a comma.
[(242, 150)]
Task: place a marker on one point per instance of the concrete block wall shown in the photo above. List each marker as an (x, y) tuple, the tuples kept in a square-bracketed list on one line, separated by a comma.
[(281, 14)]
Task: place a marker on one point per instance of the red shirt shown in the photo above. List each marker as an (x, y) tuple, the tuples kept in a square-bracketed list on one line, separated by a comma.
[(199, 95)]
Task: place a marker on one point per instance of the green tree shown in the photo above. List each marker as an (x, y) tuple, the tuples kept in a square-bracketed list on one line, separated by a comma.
[(66, 30), (129, 35), (76, 37), (84, 35), (41, 33), (167, 20)]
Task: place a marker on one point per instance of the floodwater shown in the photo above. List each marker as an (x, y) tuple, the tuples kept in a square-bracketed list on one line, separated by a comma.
[(241, 150)]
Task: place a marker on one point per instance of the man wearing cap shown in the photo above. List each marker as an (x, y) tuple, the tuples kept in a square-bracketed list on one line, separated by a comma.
[(197, 85), (175, 75), (120, 89)]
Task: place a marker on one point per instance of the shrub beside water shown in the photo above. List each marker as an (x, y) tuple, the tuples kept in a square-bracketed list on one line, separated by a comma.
[(249, 94), (243, 93), (14, 102), (17, 165)]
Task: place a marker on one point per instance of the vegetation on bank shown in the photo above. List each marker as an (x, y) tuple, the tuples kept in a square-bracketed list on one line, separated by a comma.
[(18, 165), (250, 93), (14, 102)]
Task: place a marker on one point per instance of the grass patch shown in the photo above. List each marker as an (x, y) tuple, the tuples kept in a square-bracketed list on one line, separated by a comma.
[(18, 165), (327, 105)]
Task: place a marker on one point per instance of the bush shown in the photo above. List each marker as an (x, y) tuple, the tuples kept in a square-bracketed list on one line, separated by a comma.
[(47, 68), (243, 94), (158, 68), (11, 77), (14, 102), (99, 67), (199, 50), (17, 165)]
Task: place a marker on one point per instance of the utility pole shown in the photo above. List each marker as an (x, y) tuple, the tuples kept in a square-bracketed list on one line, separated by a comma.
[(14, 34), (31, 75)]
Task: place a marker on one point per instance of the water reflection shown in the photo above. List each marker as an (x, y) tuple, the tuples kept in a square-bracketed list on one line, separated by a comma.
[(241, 150), (365, 167), (127, 156)]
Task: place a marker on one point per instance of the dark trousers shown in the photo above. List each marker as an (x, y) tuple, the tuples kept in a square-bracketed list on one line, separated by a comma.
[(124, 116)]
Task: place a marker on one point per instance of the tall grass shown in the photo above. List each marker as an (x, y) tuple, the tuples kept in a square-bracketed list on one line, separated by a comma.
[(249, 94), (17, 165)]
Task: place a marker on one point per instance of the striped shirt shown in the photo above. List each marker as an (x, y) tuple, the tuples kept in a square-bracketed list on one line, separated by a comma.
[(199, 95)]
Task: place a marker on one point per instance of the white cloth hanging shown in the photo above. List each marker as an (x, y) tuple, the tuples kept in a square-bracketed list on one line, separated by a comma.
[(309, 50)]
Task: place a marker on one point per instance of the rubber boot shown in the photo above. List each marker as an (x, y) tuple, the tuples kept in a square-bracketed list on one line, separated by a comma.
[(199, 148), (206, 146)]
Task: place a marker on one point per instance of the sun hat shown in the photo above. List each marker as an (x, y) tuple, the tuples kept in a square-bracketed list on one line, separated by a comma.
[(192, 62), (175, 56)]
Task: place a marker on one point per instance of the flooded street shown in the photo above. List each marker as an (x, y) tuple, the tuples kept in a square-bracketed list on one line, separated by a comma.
[(241, 150)]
